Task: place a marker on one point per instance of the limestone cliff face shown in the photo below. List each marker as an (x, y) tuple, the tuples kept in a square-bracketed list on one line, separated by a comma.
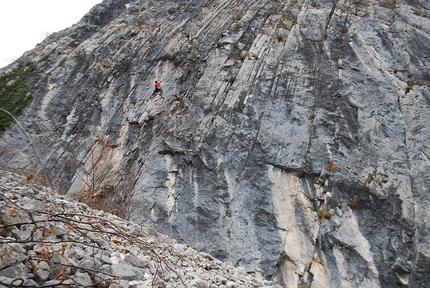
[(291, 137)]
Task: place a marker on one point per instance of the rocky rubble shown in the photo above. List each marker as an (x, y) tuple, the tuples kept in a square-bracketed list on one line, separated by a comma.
[(49, 240)]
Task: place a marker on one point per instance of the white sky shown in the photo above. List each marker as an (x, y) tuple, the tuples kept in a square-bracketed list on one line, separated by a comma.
[(25, 23)]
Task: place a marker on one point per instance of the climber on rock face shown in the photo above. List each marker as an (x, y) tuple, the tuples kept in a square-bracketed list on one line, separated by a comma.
[(157, 88)]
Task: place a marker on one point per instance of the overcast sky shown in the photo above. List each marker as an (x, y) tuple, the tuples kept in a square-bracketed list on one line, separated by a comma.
[(24, 23)]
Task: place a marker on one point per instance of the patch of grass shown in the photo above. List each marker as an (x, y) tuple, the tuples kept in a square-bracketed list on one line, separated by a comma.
[(332, 167), (368, 180), (410, 86), (388, 4), (15, 89), (322, 213), (107, 65), (382, 182)]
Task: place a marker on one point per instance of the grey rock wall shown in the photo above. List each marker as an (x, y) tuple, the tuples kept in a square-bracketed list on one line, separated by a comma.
[(290, 138)]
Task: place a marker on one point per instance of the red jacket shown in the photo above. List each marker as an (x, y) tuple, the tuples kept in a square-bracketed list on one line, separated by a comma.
[(157, 85)]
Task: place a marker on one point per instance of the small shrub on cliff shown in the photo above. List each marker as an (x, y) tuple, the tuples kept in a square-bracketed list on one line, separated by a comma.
[(368, 180), (322, 213), (390, 4), (15, 89), (411, 85), (332, 167), (382, 182), (353, 202)]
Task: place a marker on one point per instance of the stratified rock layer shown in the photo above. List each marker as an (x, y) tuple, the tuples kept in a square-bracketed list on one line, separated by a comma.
[(290, 138)]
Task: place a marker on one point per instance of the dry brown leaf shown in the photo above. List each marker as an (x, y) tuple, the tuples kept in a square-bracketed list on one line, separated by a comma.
[(8, 252), (30, 175), (63, 249), (12, 212), (45, 232), (72, 226), (63, 274)]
